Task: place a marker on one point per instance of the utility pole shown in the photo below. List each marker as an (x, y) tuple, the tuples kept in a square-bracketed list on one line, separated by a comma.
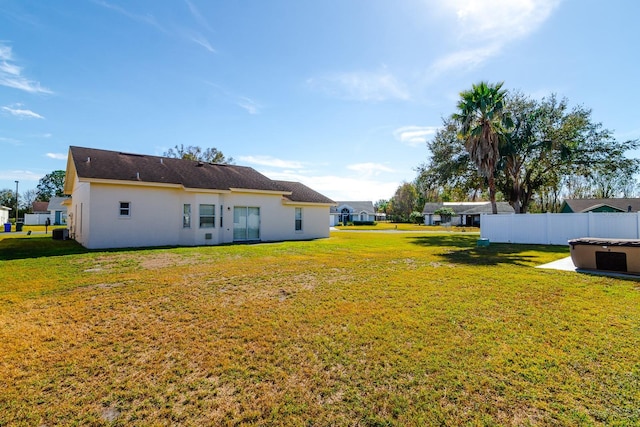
[(16, 204)]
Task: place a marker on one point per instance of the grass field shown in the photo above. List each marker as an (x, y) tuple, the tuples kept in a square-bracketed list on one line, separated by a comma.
[(361, 329)]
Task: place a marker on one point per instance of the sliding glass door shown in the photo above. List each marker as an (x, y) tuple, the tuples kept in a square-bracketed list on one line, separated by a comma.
[(246, 223)]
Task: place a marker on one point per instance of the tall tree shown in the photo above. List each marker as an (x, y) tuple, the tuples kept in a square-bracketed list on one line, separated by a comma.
[(27, 198), (482, 120), (448, 174), (404, 201), (191, 152), (8, 198), (51, 185), (551, 145)]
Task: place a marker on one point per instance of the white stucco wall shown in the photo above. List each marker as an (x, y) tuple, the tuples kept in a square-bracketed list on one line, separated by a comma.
[(156, 216), (4, 216)]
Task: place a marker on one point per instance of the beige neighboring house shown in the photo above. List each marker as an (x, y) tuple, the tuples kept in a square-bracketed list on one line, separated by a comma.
[(133, 200)]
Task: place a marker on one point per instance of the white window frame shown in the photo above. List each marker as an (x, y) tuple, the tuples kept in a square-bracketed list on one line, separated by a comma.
[(298, 220), (186, 215), (212, 223), (122, 209)]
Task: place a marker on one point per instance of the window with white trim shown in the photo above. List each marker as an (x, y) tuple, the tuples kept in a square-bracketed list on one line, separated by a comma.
[(207, 216), (186, 216), (125, 209), (298, 219)]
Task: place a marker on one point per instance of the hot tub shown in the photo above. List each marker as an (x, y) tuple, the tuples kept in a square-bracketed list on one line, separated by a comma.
[(622, 255)]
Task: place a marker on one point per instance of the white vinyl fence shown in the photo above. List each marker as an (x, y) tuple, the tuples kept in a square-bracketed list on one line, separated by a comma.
[(556, 229), (36, 219)]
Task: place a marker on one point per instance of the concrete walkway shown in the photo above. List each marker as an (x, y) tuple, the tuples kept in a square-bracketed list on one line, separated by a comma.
[(564, 264)]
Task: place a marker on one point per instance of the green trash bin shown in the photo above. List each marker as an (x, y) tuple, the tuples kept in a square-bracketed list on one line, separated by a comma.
[(19, 226), (7, 227)]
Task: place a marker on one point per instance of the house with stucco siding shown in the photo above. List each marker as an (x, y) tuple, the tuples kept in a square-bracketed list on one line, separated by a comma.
[(133, 200)]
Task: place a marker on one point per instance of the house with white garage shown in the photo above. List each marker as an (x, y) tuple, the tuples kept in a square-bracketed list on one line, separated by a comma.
[(133, 200), (352, 211)]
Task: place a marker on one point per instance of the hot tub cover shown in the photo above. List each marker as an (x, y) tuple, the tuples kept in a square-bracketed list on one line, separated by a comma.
[(595, 241)]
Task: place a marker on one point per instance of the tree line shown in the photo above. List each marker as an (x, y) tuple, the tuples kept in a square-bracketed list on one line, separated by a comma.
[(531, 153)]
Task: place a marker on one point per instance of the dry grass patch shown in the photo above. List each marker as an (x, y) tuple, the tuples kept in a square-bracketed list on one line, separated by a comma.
[(362, 329)]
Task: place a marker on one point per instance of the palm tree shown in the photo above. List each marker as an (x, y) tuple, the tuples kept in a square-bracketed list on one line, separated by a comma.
[(482, 121)]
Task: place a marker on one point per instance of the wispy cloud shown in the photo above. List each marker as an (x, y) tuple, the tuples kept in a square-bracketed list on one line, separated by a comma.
[(145, 19), (57, 156), (369, 168), (21, 113), (11, 74), (414, 136), (249, 105), (195, 12), (201, 40), (484, 28), (11, 141), (272, 162), (361, 86), (21, 175)]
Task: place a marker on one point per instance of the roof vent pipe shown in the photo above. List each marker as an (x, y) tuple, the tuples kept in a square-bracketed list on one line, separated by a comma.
[(138, 176), (161, 161), (88, 159)]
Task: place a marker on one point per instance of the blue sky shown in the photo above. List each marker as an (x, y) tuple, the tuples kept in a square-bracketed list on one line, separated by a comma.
[(338, 94)]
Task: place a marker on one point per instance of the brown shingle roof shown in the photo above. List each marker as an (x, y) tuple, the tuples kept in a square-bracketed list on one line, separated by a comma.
[(302, 193), (91, 163), (40, 207), (113, 165)]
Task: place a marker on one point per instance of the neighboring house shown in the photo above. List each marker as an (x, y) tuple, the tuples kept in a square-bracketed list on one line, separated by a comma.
[(132, 200), (4, 214), (600, 205), (40, 208), (58, 210), (352, 212), (466, 213)]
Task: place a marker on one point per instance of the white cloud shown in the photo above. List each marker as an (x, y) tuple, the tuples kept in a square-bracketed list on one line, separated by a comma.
[(22, 113), (146, 19), (361, 86), (201, 40), (369, 168), (57, 156), (272, 162), (11, 141), (484, 27), (11, 74), (248, 104), (20, 175), (197, 15), (414, 136)]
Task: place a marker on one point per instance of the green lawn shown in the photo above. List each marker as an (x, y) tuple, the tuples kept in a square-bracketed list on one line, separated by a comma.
[(361, 329)]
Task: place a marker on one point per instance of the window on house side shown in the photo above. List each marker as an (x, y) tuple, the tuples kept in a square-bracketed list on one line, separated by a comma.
[(207, 216), (125, 208), (298, 219), (186, 216)]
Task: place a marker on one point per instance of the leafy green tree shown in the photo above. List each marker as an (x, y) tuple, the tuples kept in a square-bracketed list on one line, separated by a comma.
[(449, 174), (51, 185), (209, 155), (8, 198), (548, 143), (404, 201), (482, 121)]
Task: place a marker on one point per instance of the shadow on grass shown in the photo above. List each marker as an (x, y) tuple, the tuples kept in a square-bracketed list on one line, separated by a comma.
[(465, 251), (28, 247)]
